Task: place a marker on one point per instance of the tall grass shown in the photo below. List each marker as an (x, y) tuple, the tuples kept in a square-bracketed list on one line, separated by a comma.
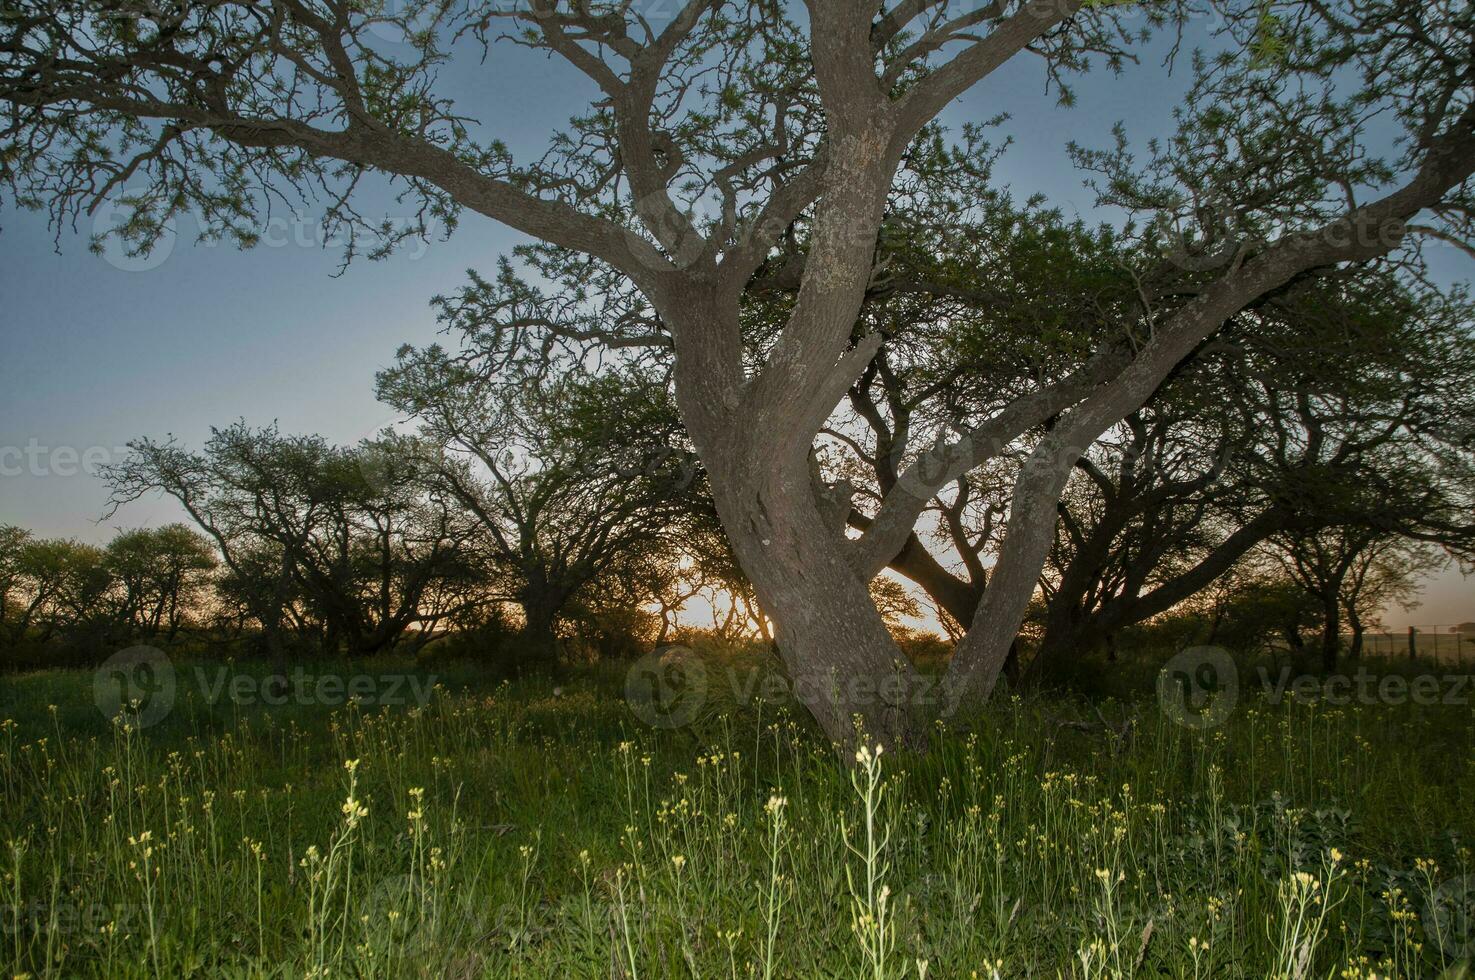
[(519, 832)]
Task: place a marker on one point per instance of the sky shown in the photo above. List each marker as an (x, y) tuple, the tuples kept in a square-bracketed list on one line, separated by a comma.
[(97, 350)]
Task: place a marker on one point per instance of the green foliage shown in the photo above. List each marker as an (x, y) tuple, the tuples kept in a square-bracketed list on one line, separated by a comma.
[(583, 483), (64, 602), (343, 545), (523, 831)]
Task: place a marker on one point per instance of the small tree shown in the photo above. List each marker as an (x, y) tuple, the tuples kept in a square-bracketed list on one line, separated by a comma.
[(573, 479), (1261, 605), (163, 576), (65, 594), (1351, 574), (343, 539), (13, 541), (1388, 573)]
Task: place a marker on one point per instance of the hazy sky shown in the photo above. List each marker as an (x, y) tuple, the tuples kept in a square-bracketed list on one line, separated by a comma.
[(97, 350)]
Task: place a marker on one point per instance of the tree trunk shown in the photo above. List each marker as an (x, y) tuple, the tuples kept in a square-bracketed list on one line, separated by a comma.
[(979, 659), (537, 641), (840, 657), (1216, 623), (1354, 651), (665, 629), (959, 599), (1066, 630), (1331, 633), (1015, 668)]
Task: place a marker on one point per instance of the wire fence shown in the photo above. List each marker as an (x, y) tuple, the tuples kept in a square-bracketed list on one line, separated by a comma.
[(1450, 644)]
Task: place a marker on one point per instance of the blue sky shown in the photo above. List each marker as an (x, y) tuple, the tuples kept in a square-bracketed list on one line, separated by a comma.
[(95, 355)]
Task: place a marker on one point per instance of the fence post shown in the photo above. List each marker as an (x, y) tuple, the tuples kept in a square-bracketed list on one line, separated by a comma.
[(1413, 649)]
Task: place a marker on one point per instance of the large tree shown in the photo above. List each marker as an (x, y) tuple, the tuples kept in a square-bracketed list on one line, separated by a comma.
[(1321, 405), (712, 133)]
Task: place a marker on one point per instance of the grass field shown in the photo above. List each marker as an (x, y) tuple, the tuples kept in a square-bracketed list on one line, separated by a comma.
[(523, 830)]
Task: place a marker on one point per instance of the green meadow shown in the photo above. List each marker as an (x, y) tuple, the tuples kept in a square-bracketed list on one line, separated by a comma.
[(541, 829)]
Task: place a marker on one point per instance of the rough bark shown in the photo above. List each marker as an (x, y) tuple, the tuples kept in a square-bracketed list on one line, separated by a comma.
[(842, 661)]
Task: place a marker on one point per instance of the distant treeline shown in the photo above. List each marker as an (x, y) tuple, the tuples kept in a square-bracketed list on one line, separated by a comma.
[(302, 547), (1266, 491), (352, 575)]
